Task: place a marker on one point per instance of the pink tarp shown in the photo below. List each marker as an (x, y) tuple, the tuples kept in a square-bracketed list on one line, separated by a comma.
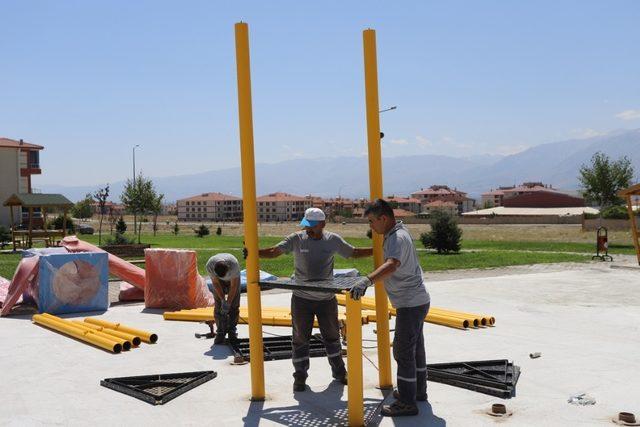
[(130, 293), (4, 289), (24, 279), (172, 280), (117, 266)]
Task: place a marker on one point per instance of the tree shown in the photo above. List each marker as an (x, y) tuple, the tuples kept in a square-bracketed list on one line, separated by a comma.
[(112, 220), (176, 229), (445, 235), (603, 178), (201, 231), (156, 209), (84, 208), (121, 226), (100, 196), (138, 198), (5, 236), (219, 231)]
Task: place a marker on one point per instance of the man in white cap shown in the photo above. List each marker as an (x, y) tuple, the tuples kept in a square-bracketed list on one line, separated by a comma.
[(313, 250)]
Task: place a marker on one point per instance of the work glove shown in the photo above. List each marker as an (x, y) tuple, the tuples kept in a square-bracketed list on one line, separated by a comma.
[(360, 287), (224, 308)]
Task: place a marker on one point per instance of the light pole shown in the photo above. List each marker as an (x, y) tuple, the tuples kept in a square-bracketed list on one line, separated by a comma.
[(135, 214)]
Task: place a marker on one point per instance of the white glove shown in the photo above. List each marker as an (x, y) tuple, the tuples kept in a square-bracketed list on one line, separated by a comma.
[(360, 287)]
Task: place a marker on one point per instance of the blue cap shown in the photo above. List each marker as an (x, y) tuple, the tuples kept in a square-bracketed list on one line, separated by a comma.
[(307, 223)]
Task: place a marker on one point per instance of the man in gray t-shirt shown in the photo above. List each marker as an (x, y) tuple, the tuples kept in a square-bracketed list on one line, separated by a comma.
[(224, 271), (313, 252), (402, 276)]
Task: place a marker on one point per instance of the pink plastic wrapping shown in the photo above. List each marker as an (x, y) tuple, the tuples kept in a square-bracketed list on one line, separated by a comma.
[(24, 279), (4, 289), (130, 293), (117, 266), (172, 280)]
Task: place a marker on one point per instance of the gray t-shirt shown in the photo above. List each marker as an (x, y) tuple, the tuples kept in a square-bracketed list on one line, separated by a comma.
[(313, 259), (232, 264), (405, 286)]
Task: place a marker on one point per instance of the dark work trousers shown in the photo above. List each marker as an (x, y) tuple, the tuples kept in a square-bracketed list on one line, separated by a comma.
[(409, 352), (226, 325), (302, 313)]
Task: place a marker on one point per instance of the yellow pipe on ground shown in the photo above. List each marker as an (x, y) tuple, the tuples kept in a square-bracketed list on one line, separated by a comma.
[(485, 319), (375, 186), (354, 363), (126, 345), (69, 329), (474, 322), (133, 339), (250, 221), (145, 336)]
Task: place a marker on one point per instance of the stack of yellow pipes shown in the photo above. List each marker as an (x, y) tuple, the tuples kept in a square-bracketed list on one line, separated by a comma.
[(271, 316), (438, 316), (113, 337)]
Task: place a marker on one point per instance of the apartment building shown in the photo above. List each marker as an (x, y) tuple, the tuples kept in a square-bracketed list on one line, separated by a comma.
[(530, 195), (283, 207), (444, 194), (210, 207), (19, 160)]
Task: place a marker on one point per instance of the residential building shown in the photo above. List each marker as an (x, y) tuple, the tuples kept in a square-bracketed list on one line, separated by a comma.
[(530, 195), (410, 204), (338, 206), (282, 207), (449, 207), (19, 160), (210, 207), (443, 193)]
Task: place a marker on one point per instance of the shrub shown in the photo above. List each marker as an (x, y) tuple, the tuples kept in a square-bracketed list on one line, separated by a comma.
[(202, 231), (615, 212), (57, 223), (445, 235), (119, 239), (176, 229), (369, 233), (219, 231), (121, 226)]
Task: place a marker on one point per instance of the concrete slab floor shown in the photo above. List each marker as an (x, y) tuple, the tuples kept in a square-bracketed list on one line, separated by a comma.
[(585, 322)]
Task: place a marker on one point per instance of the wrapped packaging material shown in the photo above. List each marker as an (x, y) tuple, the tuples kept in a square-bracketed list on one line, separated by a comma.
[(73, 283), (172, 280), (130, 293), (25, 278), (117, 266), (4, 289)]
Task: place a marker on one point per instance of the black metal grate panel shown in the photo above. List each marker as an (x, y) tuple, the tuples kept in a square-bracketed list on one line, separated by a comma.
[(493, 377), (336, 285), (158, 389), (277, 348)]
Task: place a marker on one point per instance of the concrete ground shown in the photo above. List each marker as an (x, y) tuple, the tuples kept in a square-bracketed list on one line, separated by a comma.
[(584, 319)]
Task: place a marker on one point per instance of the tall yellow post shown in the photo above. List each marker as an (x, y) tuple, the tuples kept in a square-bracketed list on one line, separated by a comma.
[(355, 404), (375, 185), (249, 210)]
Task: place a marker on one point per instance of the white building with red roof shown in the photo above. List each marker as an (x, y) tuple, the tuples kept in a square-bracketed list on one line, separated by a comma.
[(282, 207), (210, 207)]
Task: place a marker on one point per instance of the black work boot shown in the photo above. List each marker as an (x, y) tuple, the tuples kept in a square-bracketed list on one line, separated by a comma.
[(419, 397), (299, 383), (399, 409)]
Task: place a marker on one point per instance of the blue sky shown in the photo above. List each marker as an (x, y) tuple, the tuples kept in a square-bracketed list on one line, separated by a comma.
[(90, 79)]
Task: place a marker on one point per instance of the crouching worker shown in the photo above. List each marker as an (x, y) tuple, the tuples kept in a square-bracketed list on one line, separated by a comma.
[(402, 276), (225, 275)]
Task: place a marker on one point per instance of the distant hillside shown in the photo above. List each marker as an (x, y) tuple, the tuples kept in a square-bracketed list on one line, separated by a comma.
[(554, 163)]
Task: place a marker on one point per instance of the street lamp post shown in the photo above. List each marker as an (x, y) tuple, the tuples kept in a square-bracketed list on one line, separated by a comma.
[(383, 111), (135, 214)]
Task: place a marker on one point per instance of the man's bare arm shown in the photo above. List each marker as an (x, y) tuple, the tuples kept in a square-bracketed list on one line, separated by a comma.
[(362, 252), (272, 252), (385, 270)]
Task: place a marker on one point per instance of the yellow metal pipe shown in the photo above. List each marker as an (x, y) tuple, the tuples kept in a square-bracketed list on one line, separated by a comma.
[(354, 363), (126, 345), (69, 329), (483, 319), (145, 336), (133, 339), (453, 322), (473, 321), (375, 186), (247, 160)]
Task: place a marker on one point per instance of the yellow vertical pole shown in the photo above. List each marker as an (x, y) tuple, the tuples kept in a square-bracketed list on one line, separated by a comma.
[(375, 184), (249, 210), (355, 404)]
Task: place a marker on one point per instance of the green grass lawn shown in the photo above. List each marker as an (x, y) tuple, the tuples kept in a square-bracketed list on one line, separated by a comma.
[(477, 254)]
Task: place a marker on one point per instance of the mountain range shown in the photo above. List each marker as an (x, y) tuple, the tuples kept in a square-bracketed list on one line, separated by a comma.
[(554, 163)]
